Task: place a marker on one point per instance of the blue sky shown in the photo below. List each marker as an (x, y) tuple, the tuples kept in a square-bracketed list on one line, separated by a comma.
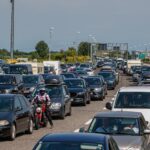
[(126, 21)]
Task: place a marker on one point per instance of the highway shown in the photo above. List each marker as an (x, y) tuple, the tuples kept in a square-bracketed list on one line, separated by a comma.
[(81, 116)]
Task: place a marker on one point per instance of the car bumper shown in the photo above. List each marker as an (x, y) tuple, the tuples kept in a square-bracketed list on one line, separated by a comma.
[(110, 86), (5, 131), (95, 95)]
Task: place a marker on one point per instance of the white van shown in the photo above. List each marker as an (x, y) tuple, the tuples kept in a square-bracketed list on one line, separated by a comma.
[(55, 64)]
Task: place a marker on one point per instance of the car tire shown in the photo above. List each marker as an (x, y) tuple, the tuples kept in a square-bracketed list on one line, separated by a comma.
[(13, 132), (30, 127), (62, 113), (70, 111)]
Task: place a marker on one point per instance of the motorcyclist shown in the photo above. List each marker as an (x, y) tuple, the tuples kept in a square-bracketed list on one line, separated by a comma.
[(43, 97)]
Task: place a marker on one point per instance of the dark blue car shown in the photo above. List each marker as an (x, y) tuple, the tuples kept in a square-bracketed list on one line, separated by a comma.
[(76, 141)]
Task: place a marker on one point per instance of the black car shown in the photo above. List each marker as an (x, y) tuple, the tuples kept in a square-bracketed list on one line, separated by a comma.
[(79, 91), (110, 78), (60, 98), (97, 89), (15, 115), (68, 75), (76, 141), (100, 64), (30, 82), (11, 83)]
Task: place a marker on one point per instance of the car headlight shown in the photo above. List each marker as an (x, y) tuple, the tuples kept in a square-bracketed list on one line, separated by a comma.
[(81, 93), (55, 106), (7, 91), (98, 89), (4, 122), (32, 89)]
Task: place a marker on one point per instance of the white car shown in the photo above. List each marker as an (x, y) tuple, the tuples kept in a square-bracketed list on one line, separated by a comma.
[(134, 98), (90, 72)]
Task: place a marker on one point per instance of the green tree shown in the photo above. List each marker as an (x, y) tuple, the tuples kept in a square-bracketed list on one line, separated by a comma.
[(42, 49), (34, 55), (70, 52), (84, 48)]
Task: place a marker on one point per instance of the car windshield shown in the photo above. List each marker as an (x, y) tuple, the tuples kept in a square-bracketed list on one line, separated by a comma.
[(93, 81), (145, 69), (106, 75), (30, 79), (68, 75), (69, 146), (6, 104), (75, 83), (112, 125), (84, 66), (7, 80), (133, 100), (53, 91), (18, 69)]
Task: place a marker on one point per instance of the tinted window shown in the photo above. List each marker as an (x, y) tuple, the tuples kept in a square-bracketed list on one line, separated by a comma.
[(75, 83), (18, 69), (93, 81), (6, 104), (17, 104), (7, 80), (106, 74), (23, 103), (30, 79), (133, 100)]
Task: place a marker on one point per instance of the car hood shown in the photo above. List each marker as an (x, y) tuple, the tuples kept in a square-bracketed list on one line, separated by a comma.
[(94, 86), (55, 100), (76, 90), (145, 112), (7, 86), (126, 141), (6, 116)]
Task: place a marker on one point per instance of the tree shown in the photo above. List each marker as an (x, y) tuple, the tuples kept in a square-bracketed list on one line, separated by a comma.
[(34, 55), (71, 52), (84, 48), (42, 49)]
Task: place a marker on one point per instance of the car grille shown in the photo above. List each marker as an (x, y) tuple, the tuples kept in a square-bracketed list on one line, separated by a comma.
[(73, 94)]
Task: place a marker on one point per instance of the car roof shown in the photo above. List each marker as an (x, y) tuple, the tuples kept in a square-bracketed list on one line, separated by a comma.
[(135, 89), (118, 114), (75, 137), (8, 95)]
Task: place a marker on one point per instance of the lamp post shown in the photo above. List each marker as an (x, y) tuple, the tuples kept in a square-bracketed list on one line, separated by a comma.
[(12, 28), (50, 48)]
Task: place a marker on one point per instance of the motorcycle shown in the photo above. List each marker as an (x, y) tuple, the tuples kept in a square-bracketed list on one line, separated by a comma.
[(40, 118)]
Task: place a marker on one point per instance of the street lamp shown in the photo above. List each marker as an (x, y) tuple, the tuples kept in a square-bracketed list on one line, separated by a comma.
[(50, 48), (12, 28)]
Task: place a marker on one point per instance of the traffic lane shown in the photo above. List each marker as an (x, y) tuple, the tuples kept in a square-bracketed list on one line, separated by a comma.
[(80, 115)]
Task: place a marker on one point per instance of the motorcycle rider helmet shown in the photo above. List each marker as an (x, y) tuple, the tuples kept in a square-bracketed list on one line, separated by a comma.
[(42, 91)]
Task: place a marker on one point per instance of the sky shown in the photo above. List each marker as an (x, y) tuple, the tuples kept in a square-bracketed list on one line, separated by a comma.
[(109, 21)]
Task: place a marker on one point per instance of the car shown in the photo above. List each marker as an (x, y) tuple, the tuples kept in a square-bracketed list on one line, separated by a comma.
[(63, 68), (15, 115), (85, 66), (10, 83), (49, 69), (81, 73), (79, 91), (76, 141), (30, 82), (99, 64), (110, 78), (97, 89), (49, 78), (144, 82), (60, 98), (134, 98), (129, 129), (68, 75), (89, 71)]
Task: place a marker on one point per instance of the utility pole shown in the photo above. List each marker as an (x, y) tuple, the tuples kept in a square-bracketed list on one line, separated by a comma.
[(12, 28), (50, 48)]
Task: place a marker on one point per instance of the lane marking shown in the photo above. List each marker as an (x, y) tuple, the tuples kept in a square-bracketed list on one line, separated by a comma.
[(77, 130), (88, 122)]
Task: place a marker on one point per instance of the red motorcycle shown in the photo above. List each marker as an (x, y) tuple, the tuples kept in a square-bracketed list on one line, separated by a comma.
[(40, 118)]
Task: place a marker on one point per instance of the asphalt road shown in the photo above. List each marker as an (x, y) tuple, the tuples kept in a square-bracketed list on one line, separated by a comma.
[(81, 116)]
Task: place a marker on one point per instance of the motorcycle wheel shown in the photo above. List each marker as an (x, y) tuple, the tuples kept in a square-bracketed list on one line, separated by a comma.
[(37, 123)]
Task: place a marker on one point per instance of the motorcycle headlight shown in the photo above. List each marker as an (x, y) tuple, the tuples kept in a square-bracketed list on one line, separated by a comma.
[(98, 89), (55, 106), (4, 122)]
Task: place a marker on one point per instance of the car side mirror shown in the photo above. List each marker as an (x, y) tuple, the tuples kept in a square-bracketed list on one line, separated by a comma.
[(81, 130), (147, 131), (109, 106)]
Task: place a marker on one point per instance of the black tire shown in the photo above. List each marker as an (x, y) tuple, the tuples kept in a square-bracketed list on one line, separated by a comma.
[(30, 127), (70, 111), (13, 132), (62, 113), (37, 121)]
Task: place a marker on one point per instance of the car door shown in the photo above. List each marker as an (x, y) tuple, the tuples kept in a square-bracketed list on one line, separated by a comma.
[(26, 111), (19, 114), (145, 137)]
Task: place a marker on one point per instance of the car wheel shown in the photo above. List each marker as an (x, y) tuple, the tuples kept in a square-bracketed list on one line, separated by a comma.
[(30, 127), (70, 111), (13, 132), (62, 113)]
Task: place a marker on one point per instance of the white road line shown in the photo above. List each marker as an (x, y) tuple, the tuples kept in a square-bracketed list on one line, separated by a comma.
[(77, 130), (88, 122)]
